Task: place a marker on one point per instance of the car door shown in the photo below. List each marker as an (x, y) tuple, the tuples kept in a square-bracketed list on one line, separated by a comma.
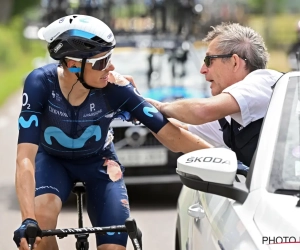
[(216, 207), (226, 230), (201, 234)]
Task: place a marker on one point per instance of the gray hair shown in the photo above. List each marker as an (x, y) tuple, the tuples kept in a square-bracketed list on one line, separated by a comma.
[(243, 41)]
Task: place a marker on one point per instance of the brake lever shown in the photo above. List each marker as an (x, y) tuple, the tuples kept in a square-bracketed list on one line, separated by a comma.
[(30, 234), (134, 233)]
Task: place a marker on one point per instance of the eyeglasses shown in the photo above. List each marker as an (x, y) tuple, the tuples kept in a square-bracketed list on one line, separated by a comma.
[(207, 59), (99, 63)]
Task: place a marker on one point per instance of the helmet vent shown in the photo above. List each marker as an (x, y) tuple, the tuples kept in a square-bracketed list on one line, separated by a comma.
[(71, 19), (100, 41), (81, 45)]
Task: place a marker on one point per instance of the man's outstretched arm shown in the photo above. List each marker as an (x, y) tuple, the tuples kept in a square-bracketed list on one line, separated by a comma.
[(198, 111), (180, 140)]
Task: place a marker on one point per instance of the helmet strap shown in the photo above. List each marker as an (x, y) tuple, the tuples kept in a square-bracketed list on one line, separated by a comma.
[(80, 76)]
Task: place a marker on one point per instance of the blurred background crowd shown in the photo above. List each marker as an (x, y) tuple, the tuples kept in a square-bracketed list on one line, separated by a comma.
[(170, 30)]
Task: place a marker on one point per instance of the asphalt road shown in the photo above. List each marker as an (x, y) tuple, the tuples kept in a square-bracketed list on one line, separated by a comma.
[(154, 208)]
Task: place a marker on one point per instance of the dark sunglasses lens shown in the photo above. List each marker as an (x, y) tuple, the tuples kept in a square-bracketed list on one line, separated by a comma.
[(207, 61), (102, 63)]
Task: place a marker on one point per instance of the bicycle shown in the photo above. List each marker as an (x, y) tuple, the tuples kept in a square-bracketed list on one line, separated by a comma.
[(82, 233)]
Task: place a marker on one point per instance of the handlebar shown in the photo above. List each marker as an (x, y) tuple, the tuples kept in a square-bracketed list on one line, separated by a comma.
[(130, 227), (62, 233)]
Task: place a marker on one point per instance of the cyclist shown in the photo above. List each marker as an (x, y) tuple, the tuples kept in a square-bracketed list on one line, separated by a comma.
[(63, 126)]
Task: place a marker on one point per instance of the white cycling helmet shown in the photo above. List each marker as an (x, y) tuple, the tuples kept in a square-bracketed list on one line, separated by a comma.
[(78, 36)]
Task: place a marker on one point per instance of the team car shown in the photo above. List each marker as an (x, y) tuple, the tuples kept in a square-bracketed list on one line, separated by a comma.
[(218, 209)]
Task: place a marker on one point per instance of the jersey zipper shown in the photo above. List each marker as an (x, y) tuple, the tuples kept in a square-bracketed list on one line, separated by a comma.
[(74, 129)]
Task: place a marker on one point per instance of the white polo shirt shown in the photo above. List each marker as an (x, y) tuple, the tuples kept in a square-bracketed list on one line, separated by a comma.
[(252, 94)]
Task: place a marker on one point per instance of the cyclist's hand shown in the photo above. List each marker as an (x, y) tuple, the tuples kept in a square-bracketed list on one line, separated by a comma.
[(20, 235)]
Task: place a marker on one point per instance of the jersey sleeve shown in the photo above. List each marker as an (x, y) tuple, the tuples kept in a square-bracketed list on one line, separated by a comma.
[(33, 98), (253, 95), (127, 98)]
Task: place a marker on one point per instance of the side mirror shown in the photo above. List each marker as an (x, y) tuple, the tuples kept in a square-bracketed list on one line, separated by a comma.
[(218, 165), (213, 171)]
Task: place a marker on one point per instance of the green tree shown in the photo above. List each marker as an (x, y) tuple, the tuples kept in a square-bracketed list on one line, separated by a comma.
[(259, 6), (20, 6), (10, 8)]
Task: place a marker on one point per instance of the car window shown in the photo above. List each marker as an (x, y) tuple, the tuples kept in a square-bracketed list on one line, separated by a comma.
[(285, 174)]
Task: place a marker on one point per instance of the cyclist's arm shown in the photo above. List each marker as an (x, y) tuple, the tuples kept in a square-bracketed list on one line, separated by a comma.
[(174, 138), (25, 181), (180, 140), (178, 123), (186, 134), (34, 97)]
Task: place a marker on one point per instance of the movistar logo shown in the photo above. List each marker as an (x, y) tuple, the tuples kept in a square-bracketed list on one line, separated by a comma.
[(148, 110), (68, 142), (27, 124), (112, 233)]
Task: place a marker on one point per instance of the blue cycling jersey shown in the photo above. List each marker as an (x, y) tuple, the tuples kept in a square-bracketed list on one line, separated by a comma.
[(73, 132)]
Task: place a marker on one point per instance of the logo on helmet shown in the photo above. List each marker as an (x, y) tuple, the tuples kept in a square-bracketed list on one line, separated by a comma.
[(109, 36), (61, 20), (54, 36), (84, 19), (58, 47)]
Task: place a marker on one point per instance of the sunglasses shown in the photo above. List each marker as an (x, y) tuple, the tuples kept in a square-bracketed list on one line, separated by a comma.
[(99, 63), (207, 59)]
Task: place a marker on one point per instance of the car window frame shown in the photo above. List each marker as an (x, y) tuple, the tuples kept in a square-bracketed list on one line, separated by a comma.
[(255, 163)]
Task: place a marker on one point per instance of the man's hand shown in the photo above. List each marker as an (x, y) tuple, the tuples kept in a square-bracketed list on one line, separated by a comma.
[(130, 79), (118, 79), (115, 77), (20, 235), (158, 105)]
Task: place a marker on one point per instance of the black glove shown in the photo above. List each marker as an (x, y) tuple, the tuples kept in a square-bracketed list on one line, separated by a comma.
[(21, 231)]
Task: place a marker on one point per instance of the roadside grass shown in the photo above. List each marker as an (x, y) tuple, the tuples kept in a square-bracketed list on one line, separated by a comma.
[(16, 55), (12, 77)]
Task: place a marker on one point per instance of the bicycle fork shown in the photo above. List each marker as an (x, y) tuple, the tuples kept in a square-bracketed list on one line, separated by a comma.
[(81, 242)]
